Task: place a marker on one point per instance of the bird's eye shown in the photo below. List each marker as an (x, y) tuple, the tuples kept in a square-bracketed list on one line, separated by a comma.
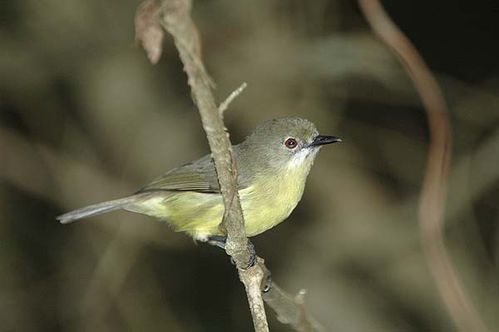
[(291, 143)]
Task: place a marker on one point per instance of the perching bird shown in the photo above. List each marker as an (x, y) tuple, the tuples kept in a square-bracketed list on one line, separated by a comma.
[(273, 164)]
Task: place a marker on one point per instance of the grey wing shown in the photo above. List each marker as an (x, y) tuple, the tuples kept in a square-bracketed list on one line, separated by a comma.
[(199, 175)]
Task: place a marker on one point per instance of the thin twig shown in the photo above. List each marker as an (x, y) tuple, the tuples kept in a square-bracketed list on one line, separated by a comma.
[(291, 310), (174, 16), (225, 104), (434, 190)]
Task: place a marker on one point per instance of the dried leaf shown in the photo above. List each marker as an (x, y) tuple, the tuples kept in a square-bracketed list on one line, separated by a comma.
[(148, 30)]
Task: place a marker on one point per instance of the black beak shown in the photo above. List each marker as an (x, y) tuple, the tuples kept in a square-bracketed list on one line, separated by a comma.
[(323, 140)]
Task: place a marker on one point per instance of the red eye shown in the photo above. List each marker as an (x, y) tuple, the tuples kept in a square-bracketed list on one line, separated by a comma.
[(291, 143)]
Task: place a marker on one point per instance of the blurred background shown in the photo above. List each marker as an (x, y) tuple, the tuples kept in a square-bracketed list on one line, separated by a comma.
[(84, 118)]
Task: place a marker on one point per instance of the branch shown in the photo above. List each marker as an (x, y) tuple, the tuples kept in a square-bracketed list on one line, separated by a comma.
[(434, 190), (225, 104), (174, 16), (291, 310)]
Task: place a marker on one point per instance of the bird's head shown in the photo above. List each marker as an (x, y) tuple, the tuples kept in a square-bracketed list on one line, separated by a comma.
[(286, 143)]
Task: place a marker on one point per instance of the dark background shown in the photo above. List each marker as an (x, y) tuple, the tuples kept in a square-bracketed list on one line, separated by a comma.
[(84, 118)]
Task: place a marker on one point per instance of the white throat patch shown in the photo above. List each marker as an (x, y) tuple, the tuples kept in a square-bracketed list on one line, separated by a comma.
[(300, 157)]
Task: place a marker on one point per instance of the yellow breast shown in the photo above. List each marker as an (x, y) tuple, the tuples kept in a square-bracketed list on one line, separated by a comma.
[(265, 204), (268, 202)]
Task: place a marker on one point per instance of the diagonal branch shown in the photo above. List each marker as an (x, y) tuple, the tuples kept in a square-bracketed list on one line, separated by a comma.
[(174, 16), (291, 310), (434, 191), (225, 104)]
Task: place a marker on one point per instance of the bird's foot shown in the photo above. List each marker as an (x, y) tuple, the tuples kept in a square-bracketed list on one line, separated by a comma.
[(267, 281), (252, 258), (220, 241), (217, 241)]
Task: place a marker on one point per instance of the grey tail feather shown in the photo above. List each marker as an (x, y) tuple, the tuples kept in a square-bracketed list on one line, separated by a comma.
[(96, 209)]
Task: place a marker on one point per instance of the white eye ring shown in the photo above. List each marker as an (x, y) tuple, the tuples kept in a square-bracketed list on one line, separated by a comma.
[(290, 143)]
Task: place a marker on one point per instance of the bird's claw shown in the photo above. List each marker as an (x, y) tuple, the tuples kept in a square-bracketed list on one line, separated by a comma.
[(217, 241), (220, 241), (267, 282), (252, 258)]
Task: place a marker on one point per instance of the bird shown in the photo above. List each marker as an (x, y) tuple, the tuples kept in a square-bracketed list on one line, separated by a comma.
[(273, 163)]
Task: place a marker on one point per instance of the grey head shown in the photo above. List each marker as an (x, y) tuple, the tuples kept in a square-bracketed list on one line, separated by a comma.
[(281, 143)]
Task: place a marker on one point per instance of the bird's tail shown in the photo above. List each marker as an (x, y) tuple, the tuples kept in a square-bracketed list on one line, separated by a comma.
[(96, 209)]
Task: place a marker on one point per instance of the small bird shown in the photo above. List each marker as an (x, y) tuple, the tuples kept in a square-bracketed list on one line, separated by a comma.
[(273, 164)]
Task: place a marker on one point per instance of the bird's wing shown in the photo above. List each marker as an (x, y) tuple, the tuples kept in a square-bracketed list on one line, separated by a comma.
[(199, 176)]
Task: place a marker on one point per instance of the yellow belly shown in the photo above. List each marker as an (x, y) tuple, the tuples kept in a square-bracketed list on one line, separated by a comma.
[(264, 204)]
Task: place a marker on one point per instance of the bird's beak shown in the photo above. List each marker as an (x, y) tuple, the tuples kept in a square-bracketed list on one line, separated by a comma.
[(323, 140)]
